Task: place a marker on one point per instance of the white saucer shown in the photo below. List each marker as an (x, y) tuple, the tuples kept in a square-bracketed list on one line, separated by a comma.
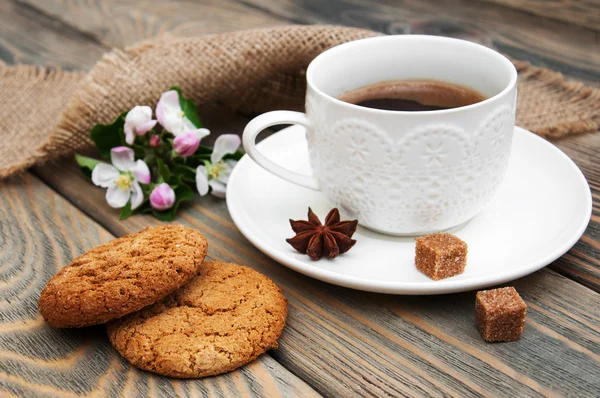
[(541, 209)]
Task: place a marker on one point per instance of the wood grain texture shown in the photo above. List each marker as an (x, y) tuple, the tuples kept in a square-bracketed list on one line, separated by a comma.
[(123, 23), (342, 342), (579, 12), (567, 48), (32, 37), (582, 262), (41, 232), (350, 343)]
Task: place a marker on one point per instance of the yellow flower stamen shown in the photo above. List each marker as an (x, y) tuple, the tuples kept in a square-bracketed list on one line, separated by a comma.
[(216, 169), (123, 182)]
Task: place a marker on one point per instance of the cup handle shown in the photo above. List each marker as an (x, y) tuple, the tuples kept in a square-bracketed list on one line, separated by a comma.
[(269, 119)]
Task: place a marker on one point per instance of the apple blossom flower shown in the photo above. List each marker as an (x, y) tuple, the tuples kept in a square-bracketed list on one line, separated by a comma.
[(154, 141), (138, 121), (162, 197), (187, 143), (122, 178), (215, 174), (171, 116)]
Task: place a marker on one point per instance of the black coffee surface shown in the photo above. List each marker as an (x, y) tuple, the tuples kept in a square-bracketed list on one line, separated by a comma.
[(413, 95), (392, 104)]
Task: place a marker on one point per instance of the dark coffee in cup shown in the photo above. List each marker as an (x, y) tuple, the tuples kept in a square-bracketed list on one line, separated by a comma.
[(413, 95)]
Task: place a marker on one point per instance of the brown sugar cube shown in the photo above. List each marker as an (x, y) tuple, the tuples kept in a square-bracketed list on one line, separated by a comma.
[(440, 255), (500, 314)]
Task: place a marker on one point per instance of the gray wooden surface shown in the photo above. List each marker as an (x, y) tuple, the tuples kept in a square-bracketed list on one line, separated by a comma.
[(338, 342)]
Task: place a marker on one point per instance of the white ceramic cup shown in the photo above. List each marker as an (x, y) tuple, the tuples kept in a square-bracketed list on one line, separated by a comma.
[(402, 173)]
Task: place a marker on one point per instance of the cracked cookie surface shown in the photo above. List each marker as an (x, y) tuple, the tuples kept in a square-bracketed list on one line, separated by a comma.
[(122, 276), (222, 319)]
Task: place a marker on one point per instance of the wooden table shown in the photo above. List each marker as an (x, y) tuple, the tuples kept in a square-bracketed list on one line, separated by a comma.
[(338, 342)]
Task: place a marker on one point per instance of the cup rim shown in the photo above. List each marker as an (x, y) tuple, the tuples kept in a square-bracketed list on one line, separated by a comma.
[(501, 58)]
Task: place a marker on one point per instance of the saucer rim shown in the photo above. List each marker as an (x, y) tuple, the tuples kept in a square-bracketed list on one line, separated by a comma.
[(413, 288)]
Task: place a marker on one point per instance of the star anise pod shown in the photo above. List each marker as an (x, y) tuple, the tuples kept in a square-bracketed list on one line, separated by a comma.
[(317, 240)]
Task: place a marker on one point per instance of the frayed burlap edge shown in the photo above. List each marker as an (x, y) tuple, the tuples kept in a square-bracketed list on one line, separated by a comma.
[(249, 71), (554, 107), (243, 70), (31, 104)]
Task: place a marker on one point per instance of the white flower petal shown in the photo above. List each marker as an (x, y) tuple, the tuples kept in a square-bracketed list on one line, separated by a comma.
[(145, 127), (225, 144), (122, 158), (218, 189), (142, 172), (160, 113), (137, 196), (168, 105), (173, 123), (116, 197), (188, 125), (169, 101), (104, 175), (129, 135), (138, 115), (201, 133), (201, 180), (138, 121)]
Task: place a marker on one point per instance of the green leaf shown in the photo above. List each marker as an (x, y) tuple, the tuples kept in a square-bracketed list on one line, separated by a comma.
[(108, 136), (126, 211), (182, 193), (196, 160), (204, 150), (188, 108), (139, 151), (145, 207), (185, 173), (164, 215), (203, 154), (146, 189), (163, 171), (237, 155), (86, 164)]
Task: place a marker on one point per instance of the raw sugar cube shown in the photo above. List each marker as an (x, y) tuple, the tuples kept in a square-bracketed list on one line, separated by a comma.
[(440, 255), (500, 314)]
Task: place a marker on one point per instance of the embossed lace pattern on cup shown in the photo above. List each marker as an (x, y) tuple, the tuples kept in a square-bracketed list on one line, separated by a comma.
[(430, 178)]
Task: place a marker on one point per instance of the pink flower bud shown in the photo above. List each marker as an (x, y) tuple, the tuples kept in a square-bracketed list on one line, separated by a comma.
[(186, 143), (162, 197), (154, 141)]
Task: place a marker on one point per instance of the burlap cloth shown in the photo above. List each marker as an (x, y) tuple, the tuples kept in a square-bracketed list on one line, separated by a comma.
[(46, 113)]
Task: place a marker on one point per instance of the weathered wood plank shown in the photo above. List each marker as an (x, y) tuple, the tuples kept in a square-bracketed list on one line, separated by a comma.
[(39, 233), (579, 12), (31, 37), (123, 23), (345, 342), (566, 48), (582, 262)]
